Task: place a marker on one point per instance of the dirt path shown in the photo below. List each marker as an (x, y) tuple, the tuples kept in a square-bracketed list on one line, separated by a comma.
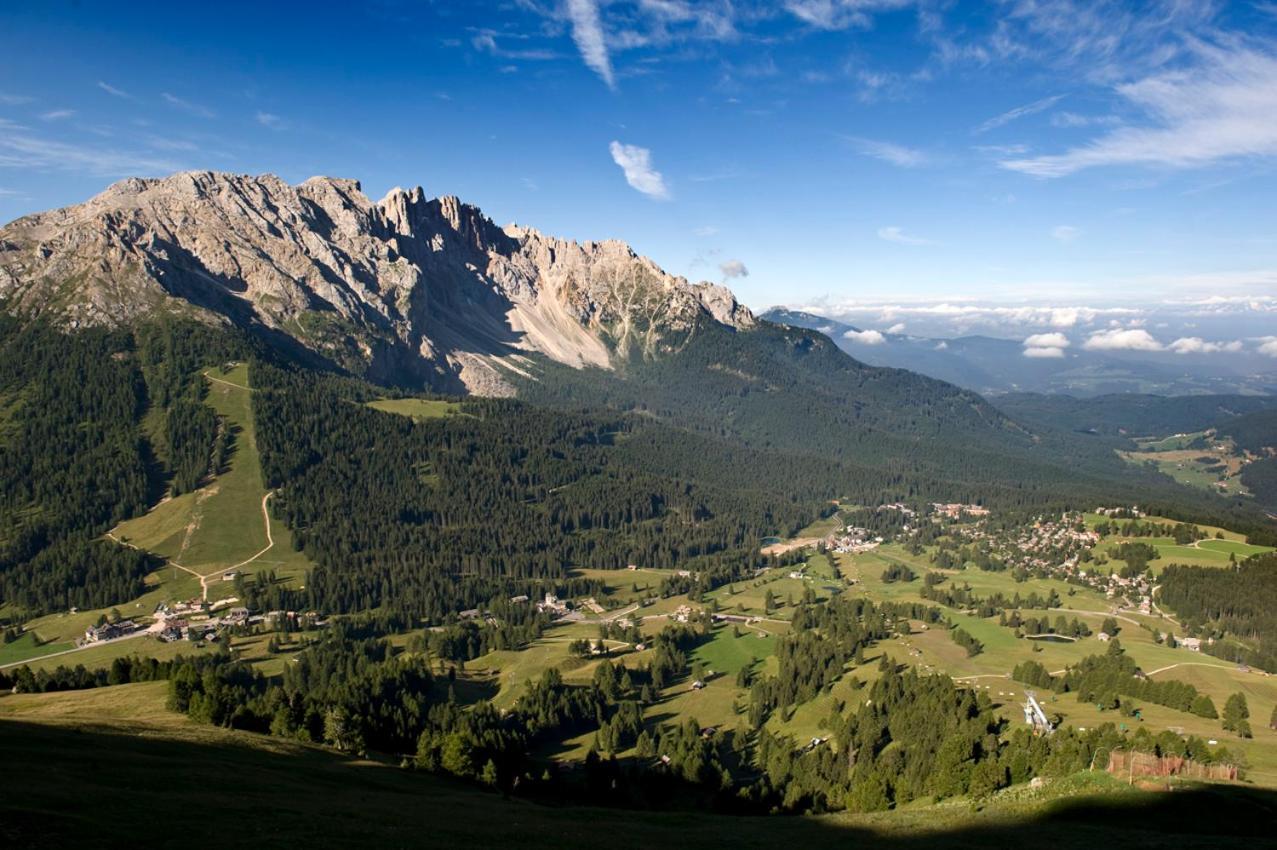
[(1098, 614), (206, 578), (1188, 664), (229, 383)]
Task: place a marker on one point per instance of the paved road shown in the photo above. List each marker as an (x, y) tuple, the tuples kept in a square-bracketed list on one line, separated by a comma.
[(93, 645)]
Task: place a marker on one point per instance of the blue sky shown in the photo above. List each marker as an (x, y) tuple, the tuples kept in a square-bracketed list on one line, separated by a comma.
[(805, 152)]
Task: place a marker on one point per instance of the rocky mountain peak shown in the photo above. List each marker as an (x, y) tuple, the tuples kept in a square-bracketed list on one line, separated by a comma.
[(410, 288)]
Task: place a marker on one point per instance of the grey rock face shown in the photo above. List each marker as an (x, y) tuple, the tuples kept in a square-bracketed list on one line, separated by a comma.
[(410, 287)]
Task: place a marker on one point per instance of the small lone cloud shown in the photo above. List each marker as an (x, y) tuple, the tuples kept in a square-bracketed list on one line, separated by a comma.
[(865, 337), (897, 328), (732, 269), (898, 235), (636, 162), (1052, 340), (57, 114), (1117, 339), (1044, 352), (1065, 232), (271, 120), (113, 91)]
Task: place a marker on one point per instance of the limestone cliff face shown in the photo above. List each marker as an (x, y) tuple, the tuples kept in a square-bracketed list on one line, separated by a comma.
[(408, 288)]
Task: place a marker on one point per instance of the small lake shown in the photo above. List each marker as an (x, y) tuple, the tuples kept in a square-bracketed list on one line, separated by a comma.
[(1051, 638)]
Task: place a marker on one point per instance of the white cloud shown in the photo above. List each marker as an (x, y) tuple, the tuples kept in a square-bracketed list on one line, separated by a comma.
[(187, 106), (897, 328), (733, 268), (1064, 232), (1051, 340), (840, 14), (1197, 345), (890, 152), (271, 120), (1072, 119), (941, 345), (57, 114), (587, 32), (636, 162), (22, 150), (1118, 339), (113, 91), (706, 230), (865, 337), (1221, 108), (1019, 112), (1268, 345), (1044, 352), (897, 235), (14, 99)]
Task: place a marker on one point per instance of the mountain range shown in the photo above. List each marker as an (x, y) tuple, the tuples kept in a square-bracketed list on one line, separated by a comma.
[(409, 289), (994, 366)]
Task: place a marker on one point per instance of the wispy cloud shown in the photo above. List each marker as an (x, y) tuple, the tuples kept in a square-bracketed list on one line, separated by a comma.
[(636, 162), (7, 99), (841, 14), (113, 91), (587, 33), (897, 235), (1221, 108), (23, 150), (271, 120), (188, 106), (1065, 232), (57, 114), (900, 155), (1019, 112)]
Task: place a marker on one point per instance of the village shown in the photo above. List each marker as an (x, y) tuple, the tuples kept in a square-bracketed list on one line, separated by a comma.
[(196, 620)]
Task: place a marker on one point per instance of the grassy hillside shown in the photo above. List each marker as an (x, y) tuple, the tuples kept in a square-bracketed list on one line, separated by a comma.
[(103, 768)]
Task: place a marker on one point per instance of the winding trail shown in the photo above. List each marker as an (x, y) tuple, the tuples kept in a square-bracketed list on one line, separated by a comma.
[(1188, 664)]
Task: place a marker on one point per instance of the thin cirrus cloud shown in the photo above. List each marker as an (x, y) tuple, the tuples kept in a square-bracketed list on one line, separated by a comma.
[(587, 34), (1019, 112), (20, 149), (187, 106), (113, 91), (904, 157), (898, 235), (1065, 233), (636, 163), (1220, 109), (270, 120), (840, 14)]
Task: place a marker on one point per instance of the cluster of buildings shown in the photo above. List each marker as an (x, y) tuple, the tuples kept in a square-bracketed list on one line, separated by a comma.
[(852, 540), (956, 510), (109, 631)]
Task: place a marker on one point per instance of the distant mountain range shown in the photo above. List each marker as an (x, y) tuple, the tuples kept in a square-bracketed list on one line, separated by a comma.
[(993, 366)]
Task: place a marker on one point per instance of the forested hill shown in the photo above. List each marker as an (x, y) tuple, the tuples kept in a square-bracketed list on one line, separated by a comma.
[(1132, 415), (685, 460)]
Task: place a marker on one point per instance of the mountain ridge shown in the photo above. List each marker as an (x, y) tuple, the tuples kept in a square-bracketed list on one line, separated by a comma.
[(427, 289)]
